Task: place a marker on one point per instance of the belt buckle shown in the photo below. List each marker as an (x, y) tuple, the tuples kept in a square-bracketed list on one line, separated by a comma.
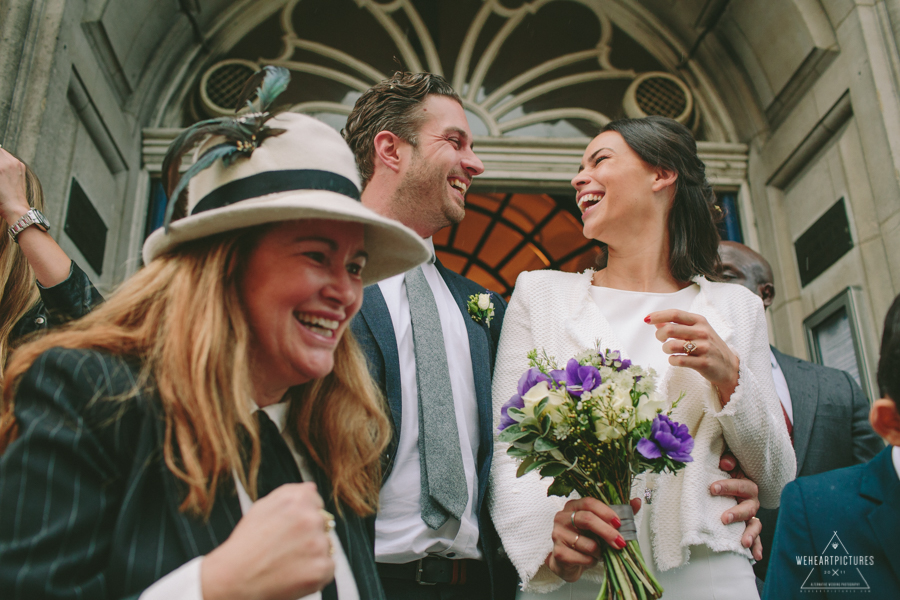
[(420, 568)]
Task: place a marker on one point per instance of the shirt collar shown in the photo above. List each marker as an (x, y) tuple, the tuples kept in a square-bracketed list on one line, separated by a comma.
[(430, 243), (895, 457), (276, 412)]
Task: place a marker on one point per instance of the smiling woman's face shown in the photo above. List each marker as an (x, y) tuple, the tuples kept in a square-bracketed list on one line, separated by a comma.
[(301, 286), (616, 191)]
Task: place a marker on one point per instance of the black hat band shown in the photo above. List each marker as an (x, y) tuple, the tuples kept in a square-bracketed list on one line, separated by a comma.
[(276, 182)]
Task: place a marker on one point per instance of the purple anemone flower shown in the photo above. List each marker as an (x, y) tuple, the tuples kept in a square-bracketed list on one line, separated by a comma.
[(528, 380), (584, 378), (669, 438)]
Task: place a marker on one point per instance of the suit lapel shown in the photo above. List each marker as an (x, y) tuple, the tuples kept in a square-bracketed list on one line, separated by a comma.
[(377, 316), (351, 531), (479, 348), (804, 389), (881, 485)]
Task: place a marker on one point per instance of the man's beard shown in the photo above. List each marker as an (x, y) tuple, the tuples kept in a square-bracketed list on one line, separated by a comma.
[(423, 195)]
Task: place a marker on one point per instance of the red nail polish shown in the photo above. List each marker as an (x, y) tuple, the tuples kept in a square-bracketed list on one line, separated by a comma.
[(647, 319), (620, 542), (616, 522)]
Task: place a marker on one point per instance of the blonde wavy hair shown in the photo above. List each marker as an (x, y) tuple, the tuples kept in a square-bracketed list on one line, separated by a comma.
[(18, 290), (194, 352)]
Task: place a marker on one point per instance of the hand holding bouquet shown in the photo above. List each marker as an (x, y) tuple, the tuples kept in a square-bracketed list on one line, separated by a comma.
[(592, 427)]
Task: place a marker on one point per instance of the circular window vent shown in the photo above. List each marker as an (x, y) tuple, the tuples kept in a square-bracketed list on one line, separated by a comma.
[(658, 94), (222, 83)]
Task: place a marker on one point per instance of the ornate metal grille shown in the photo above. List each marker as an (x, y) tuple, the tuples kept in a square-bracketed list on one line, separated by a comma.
[(661, 96)]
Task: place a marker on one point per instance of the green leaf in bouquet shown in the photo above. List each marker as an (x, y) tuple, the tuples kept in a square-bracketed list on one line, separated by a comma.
[(528, 439), (546, 424), (525, 464), (559, 488), (517, 452), (542, 444), (530, 422), (529, 466), (539, 409), (554, 469), (513, 433), (515, 413)]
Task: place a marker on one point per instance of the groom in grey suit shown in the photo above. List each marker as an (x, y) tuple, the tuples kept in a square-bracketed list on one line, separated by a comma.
[(430, 356), (826, 411)]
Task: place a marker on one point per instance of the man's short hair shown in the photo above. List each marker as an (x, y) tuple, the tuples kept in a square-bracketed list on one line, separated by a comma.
[(390, 106)]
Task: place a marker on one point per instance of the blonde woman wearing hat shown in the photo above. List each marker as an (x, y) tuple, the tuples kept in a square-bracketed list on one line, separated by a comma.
[(134, 460)]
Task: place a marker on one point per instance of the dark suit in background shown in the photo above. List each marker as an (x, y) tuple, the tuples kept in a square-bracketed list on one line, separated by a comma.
[(88, 508), (831, 429), (374, 330), (861, 504)]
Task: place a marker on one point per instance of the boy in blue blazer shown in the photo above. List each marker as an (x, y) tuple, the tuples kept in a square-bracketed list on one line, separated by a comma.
[(840, 531)]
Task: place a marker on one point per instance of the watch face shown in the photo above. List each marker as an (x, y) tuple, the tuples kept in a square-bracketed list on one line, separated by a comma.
[(40, 219)]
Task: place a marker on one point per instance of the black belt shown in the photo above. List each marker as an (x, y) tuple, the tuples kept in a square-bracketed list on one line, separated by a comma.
[(432, 570)]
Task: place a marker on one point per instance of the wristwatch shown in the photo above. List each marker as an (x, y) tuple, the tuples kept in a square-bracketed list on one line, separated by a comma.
[(32, 217)]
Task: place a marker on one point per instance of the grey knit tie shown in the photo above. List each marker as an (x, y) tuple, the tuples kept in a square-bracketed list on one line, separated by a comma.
[(444, 490)]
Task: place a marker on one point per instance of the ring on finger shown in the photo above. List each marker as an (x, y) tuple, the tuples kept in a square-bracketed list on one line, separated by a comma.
[(689, 347), (329, 520), (572, 519), (575, 543)]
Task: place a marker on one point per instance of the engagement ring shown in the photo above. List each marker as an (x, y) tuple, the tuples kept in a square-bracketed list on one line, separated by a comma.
[(689, 347)]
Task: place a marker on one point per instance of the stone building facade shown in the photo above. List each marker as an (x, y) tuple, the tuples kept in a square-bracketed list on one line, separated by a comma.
[(795, 104)]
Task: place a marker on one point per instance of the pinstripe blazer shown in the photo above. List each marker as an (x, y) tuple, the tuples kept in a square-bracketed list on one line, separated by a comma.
[(88, 508)]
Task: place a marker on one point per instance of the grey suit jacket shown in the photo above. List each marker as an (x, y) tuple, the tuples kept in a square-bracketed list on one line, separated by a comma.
[(831, 428), (374, 330)]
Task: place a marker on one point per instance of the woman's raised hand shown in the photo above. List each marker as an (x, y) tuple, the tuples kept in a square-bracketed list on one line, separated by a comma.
[(576, 531), (13, 203), (682, 331), (280, 550)]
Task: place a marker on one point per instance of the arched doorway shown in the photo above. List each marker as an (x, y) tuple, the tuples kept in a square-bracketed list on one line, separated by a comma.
[(538, 78)]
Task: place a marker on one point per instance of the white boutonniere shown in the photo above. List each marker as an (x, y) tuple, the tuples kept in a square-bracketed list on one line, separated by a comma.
[(481, 309)]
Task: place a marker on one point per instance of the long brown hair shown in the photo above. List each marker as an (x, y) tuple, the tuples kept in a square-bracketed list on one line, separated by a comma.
[(194, 352), (18, 290), (693, 236)]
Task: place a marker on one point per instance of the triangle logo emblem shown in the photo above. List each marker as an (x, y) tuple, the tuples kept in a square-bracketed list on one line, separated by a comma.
[(838, 573)]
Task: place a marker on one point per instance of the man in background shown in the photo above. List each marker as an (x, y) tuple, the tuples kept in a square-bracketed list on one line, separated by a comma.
[(825, 410)]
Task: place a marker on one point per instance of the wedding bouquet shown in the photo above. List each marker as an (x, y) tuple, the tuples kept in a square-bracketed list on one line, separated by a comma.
[(592, 427)]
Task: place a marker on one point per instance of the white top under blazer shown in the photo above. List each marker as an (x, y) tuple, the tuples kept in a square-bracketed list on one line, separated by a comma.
[(555, 311)]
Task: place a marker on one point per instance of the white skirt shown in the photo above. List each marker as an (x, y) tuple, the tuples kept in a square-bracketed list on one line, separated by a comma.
[(708, 575)]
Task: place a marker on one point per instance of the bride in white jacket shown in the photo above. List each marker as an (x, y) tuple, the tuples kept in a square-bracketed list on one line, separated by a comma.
[(643, 192)]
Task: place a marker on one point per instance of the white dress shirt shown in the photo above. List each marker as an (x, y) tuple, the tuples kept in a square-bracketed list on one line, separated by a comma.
[(401, 535), (781, 387), (184, 582)]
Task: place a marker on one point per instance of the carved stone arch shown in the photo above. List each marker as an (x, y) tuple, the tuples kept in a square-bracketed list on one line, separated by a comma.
[(524, 196)]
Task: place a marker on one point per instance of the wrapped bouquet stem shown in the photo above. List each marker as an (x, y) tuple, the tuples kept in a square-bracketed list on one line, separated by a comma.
[(592, 427)]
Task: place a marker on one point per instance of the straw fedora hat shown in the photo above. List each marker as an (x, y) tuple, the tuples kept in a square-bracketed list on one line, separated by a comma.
[(305, 172)]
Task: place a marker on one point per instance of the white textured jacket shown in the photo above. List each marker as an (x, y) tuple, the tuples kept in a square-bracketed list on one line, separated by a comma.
[(555, 311)]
